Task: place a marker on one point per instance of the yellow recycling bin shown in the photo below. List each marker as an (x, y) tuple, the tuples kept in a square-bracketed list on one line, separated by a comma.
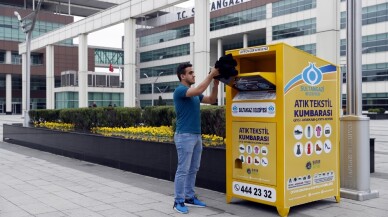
[(282, 127)]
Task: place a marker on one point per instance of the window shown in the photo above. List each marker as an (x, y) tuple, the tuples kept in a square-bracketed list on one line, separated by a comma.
[(370, 44), (164, 36), (38, 82), (291, 6), (2, 56), (370, 72), (370, 15), (294, 29), (10, 29), (175, 51), (66, 100), (164, 87), (106, 99), (16, 58), (309, 48), (36, 59), (155, 71), (239, 18), (102, 56)]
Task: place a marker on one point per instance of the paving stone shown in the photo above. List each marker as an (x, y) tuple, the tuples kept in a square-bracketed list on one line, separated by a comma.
[(18, 213), (151, 213), (52, 214), (101, 207), (81, 212), (130, 206), (116, 213), (37, 208)]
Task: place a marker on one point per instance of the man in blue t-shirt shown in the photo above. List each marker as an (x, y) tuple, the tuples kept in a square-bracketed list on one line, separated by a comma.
[(187, 137)]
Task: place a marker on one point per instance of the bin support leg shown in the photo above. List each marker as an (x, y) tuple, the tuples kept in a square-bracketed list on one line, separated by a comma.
[(228, 198), (337, 199), (283, 212)]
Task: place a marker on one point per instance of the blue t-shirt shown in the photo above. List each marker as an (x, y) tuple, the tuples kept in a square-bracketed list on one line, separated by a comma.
[(187, 109)]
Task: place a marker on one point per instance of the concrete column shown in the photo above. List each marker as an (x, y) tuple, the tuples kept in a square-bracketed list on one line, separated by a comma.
[(8, 57), (202, 41), (130, 63), (245, 40), (83, 71), (328, 30), (8, 94), (221, 93), (24, 83), (50, 78)]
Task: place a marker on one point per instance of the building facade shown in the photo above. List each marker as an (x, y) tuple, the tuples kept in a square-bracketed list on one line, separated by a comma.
[(11, 61), (315, 26)]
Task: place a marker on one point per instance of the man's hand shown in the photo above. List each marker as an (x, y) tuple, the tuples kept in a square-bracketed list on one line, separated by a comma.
[(214, 72), (216, 82)]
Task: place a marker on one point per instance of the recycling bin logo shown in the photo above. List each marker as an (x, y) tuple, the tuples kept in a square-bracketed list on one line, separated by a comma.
[(312, 75)]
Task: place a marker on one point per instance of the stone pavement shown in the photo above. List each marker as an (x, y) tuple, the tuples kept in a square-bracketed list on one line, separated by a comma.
[(35, 183)]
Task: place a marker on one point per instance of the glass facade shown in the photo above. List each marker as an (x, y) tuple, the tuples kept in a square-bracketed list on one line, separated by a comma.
[(38, 103), (294, 29), (103, 56), (16, 58), (144, 103), (375, 14), (169, 52), (10, 29), (16, 82), (374, 100), (370, 72), (370, 44), (155, 71), (165, 87), (66, 100), (291, 6), (38, 82), (309, 48), (239, 18), (370, 15), (167, 35), (240, 44), (106, 99), (2, 56), (36, 59), (371, 100)]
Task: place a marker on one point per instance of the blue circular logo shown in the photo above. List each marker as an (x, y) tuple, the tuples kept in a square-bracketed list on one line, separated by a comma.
[(312, 75), (234, 109)]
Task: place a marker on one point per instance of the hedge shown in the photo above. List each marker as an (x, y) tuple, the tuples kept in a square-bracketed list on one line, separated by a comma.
[(212, 117)]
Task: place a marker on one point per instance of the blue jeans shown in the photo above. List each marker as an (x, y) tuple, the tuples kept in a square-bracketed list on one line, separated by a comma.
[(189, 149)]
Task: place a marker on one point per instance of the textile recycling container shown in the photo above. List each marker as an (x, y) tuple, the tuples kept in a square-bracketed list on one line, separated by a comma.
[(282, 127)]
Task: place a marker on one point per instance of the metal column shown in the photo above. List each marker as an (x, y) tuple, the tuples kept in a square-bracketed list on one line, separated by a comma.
[(355, 174)]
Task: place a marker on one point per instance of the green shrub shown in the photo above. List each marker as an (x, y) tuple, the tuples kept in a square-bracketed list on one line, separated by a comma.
[(376, 110), (212, 117), (42, 115), (157, 116), (213, 120), (87, 118), (127, 117)]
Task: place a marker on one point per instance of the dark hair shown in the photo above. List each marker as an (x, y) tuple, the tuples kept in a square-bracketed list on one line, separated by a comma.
[(181, 69)]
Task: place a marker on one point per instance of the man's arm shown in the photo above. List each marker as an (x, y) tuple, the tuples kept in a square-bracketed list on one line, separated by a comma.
[(198, 90), (213, 95)]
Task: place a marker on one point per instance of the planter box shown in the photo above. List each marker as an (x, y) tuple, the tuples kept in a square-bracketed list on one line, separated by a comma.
[(155, 159), (377, 116)]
